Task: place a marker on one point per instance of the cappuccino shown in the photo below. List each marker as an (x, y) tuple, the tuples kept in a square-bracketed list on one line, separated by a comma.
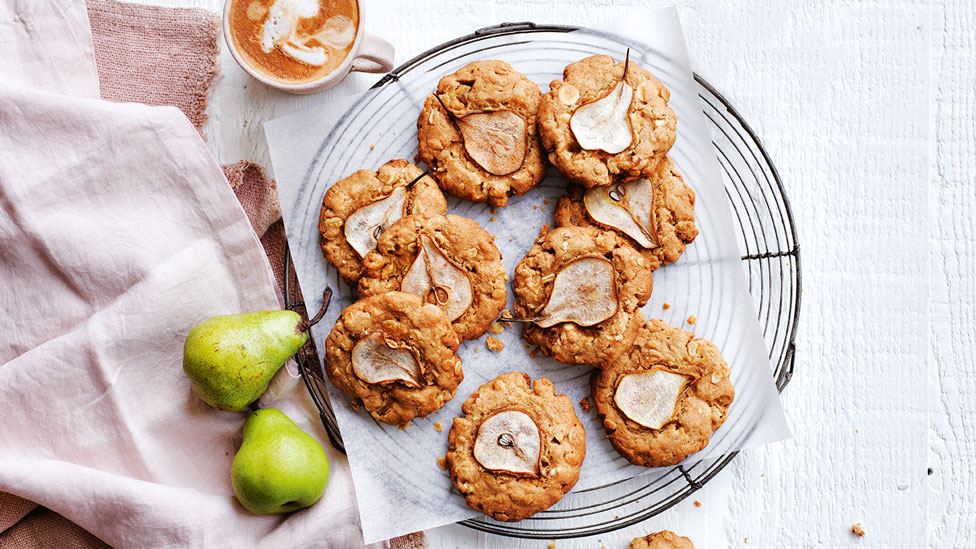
[(294, 41)]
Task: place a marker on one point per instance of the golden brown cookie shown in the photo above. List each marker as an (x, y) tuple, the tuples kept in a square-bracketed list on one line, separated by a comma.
[(670, 223), (665, 539), (465, 276), (652, 122), (395, 355), (478, 132), (518, 449), (382, 197), (616, 270), (692, 394)]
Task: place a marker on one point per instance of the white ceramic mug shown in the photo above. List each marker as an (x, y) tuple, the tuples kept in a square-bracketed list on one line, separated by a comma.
[(369, 53)]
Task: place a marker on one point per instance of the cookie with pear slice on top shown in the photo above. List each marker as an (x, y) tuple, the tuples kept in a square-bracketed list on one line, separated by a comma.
[(578, 292), (662, 399), (607, 121), (518, 448), (655, 214), (449, 261), (478, 132), (358, 208), (395, 356)]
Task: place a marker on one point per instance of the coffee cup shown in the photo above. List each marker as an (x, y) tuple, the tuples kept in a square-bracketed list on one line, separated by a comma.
[(303, 46)]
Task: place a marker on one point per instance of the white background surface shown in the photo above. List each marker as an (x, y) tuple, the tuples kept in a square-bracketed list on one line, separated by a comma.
[(867, 110)]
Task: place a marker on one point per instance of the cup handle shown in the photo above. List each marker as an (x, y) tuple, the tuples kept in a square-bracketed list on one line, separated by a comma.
[(374, 55)]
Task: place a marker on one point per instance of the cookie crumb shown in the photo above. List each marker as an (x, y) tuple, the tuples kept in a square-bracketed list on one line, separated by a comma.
[(666, 306), (497, 328), (494, 211), (492, 218), (692, 319), (476, 349), (697, 503), (438, 427), (857, 530), (535, 206), (442, 463), (552, 544), (404, 426), (533, 352), (546, 201), (372, 147), (494, 343), (585, 404)]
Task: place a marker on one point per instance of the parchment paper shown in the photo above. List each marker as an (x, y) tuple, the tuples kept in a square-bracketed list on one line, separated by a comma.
[(399, 486)]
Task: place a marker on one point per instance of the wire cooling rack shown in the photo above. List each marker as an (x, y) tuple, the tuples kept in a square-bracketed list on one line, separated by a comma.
[(770, 257)]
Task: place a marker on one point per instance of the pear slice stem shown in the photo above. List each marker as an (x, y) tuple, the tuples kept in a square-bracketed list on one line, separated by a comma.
[(419, 177), (306, 324), (510, 318)]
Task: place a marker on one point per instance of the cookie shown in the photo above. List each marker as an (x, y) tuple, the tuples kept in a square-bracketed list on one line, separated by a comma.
[(703, 394), (518, 448), (627, 279), (466, 279), (672, 226), (370, 197), (498, 154), (394, 355), (665, 539), (652, 122)]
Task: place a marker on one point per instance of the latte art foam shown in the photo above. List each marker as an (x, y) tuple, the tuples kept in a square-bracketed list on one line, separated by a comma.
[(294, 40), (280, 29)]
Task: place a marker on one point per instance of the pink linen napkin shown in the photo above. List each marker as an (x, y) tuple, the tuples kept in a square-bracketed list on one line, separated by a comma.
[(118, 233)]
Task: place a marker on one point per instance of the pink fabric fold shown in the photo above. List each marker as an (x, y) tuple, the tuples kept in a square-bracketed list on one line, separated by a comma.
[(119, 233)]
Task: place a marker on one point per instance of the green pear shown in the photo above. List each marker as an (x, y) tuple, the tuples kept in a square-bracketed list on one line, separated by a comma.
[(279, 468), (230, 359)]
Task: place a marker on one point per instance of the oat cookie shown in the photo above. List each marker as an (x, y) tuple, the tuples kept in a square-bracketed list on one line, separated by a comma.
[(665, 539), (391, 182), (701, 403), (673, 213), (465, 276), (537, 274), (394, 355), (483, 166), (518, 448), (652, 121)]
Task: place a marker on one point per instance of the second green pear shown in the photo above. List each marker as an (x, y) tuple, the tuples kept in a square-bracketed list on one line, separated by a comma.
[(230, 359)]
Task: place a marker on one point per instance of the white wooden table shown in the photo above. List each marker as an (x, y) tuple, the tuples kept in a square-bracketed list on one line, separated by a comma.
[(867, 110)]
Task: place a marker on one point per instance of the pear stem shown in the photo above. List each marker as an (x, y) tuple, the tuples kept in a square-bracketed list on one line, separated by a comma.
[(510, 318), (626, 64), (326, 299), (419, 177), (448, 111)]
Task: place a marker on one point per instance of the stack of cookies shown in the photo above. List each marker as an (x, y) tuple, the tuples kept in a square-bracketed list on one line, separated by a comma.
[(427, 279)]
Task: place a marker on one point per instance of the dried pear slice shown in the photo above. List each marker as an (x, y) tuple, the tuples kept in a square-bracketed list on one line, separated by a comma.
[(494, 140), (584, 292), (366, 224), (650, 397), (437, 280), (376, 359), (627, 207), (604, 124), (509, 442)]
